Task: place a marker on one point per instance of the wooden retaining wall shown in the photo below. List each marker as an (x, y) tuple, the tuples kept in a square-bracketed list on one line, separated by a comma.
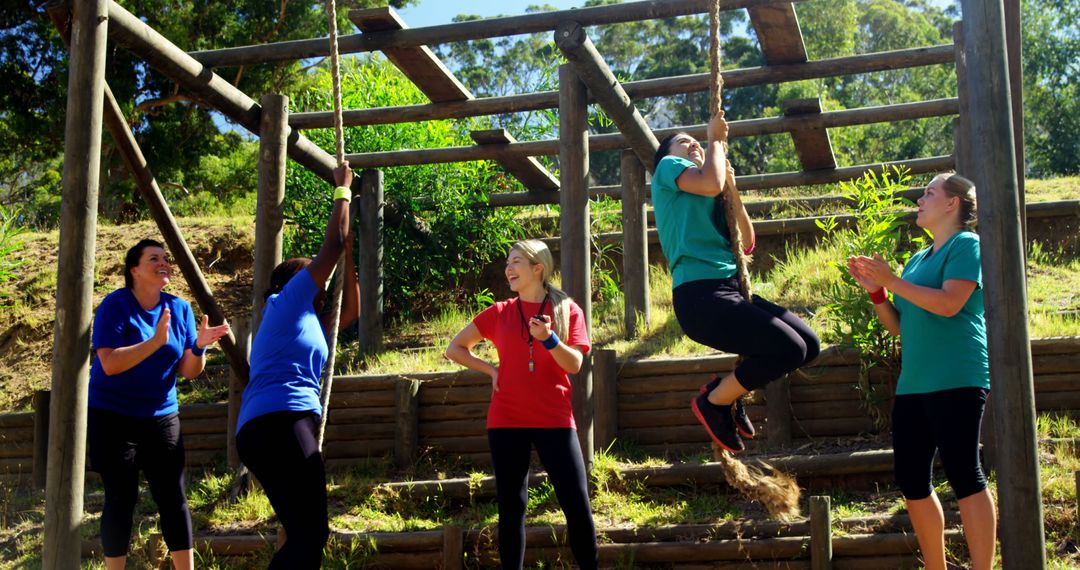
[(405, 417)]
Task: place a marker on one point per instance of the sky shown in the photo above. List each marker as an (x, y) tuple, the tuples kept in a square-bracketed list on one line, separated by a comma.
[(435, 12)]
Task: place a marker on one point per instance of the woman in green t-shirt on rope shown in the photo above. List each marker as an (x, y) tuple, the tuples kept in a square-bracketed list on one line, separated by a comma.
[(689, 186), (937, 311)]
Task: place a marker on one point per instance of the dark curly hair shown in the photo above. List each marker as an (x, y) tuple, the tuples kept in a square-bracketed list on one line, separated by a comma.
[(283, 273)]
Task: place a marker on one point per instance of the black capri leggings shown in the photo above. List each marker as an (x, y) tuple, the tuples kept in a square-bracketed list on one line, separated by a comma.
[(947, 422), (282, 450), (119, 446), (560, 453), (772, 340)]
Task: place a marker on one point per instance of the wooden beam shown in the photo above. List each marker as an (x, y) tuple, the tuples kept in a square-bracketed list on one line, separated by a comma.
[(778, 33), (418, 63), (464, 31), (369, 262), (575, 261), (994, 158), (207, 87), (616, 141), (635, 258), (821, 552), (526, 169), (812, 145), (766, 75), (75, 290), (269, 209), (1016, 96), (590, 67)]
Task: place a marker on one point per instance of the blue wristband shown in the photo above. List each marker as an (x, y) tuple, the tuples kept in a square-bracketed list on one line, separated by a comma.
[(196, 351), (551, 342)]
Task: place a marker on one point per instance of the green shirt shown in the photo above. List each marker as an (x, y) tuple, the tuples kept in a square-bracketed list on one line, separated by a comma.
[(695, 247), (941, 353)]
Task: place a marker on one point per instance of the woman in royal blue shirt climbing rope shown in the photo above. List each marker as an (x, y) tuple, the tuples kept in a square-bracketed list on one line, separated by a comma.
[(142, 338), (279, 414), (689, 186), (937, 311)]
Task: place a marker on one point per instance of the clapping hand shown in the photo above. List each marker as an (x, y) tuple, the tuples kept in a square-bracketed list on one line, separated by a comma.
[(209, 335)]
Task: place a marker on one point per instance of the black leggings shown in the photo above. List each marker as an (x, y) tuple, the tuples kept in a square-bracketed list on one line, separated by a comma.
[(947, 422), (771, 339), (282, 451), (119, 446), (560, 453)]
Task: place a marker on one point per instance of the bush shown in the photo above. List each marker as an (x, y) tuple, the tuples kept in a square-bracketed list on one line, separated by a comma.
[(878, 229), (435, 242)]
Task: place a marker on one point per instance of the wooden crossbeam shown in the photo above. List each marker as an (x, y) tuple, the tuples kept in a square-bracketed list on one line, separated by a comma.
[(781, 42), (811, 144), (419, 64), (527, 169)]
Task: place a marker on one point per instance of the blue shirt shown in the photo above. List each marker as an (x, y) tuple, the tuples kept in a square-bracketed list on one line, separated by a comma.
[(692, 235), (941, 353), (287, 355), (147, 389)]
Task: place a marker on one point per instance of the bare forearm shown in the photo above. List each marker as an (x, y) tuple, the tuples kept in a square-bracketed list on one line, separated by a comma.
[(888, 316), (715, 166), (930, 299), (120, 360), (192, 366), (466, 358), (567, 357)]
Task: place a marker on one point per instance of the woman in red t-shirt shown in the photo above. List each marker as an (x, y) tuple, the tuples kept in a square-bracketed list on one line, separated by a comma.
[(540, 337)]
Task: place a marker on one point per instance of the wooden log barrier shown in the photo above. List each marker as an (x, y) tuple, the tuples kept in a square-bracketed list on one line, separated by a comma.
[(41, 436), (821, 555), (605, 398), (453, 548), (778, 412), (406, 420)]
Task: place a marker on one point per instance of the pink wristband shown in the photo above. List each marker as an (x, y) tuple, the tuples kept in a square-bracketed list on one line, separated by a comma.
[(878, 297)]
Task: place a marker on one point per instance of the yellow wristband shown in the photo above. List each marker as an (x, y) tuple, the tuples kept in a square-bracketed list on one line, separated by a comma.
[(342, 193)]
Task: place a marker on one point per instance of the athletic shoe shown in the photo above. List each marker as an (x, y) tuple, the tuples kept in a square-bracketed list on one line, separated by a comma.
[(738, 411), (718, 422), (742, 423)]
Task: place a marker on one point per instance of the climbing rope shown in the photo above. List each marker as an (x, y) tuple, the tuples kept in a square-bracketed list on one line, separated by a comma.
[(716, 88), (777, 491), (339, 273)]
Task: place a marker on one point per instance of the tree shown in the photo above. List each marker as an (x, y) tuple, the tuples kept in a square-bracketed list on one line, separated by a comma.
[(1051, 63), (173, 132)]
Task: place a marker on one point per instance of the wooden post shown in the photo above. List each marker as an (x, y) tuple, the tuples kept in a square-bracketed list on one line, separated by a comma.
[(453, 548), (605, 396), (1014, 47), (820, 533), (635, 262), (407, 420), (962, 124), (269, 219), (994, 158), (241, 330), (574, 243), (605, 88), (75, 291), (41, 437), (370, 260), (778, 412)]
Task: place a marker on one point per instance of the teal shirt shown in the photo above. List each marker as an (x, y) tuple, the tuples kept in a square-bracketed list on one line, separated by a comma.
[(942, 353), (692, 235)]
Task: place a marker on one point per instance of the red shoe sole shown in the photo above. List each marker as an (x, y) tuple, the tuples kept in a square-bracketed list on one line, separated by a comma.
[(697, 413), (702, 390)]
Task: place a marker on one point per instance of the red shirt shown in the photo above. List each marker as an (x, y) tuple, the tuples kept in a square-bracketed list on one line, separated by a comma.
[(538, 399)]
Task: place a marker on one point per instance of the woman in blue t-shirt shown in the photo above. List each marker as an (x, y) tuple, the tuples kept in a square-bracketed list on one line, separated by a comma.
[(279, 414), (142, 337), (937, 311), (689, 186)]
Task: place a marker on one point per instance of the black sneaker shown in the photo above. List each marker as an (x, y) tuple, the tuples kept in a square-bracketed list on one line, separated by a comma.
[(742, 423), (718, 422), (738, 411)]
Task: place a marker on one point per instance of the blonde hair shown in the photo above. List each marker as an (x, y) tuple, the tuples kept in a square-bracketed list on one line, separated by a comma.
[(957, 186), (537, 252)]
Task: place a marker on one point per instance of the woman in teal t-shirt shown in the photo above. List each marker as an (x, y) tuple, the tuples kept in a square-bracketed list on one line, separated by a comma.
[(689, 186), (937, 311)]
